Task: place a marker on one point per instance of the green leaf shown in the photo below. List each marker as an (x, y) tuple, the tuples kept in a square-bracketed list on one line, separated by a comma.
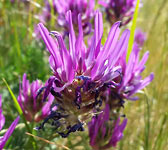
[(133, 27), (14, 99)]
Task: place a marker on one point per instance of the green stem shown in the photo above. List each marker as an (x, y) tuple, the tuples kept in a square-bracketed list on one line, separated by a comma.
[(133, 27), (147, 123), (159, 141)]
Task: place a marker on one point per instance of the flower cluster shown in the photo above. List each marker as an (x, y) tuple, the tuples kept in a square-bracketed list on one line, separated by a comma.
[(4, 139), (90, 82), (87, 79)]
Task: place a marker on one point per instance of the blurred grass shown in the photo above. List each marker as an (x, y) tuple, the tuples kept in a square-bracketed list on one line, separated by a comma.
[(147, 127)]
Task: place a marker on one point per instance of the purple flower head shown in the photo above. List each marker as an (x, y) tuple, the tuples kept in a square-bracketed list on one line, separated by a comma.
[(85, 77), (4, 139), (140, 37), (119, 10), (105, 131), (81, 75), (83, 7), (132, 80), (31, 100)]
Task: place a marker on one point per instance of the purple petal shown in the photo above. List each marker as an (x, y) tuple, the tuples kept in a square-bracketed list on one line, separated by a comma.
[(51, 44), (2, 118), (142, 84), (106, 113), (103, 3), (111, 39), (142, 62), (120, 48), (46, 107), (94, 50), (72, 38), (129, 68), (48, 87), (98, 30), (65, 56), (25, 86), (117, 132), (91, 5), (4, 139), (108, 47), (79, 45)]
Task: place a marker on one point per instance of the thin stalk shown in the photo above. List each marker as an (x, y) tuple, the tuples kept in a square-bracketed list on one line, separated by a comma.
[(159, 140), (47, 141), (30, 25), (17, 45), (147, 122)]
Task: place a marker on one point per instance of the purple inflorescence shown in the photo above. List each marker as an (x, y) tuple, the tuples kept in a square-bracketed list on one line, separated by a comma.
[(104, 130), (140, 37), (87, 78), (119, 10), (60, 8), (30, 100)]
